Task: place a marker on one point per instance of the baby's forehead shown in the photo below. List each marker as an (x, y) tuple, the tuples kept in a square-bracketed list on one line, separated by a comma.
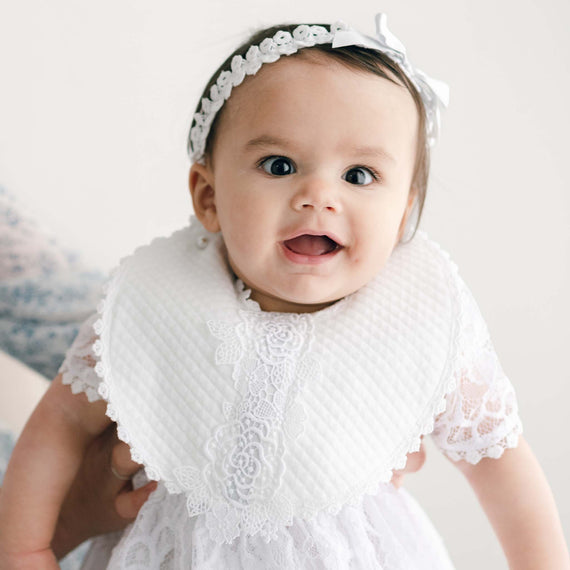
[(284, 75)]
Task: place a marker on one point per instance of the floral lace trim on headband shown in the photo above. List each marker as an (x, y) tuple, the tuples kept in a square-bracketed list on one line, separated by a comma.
[(434, 93)]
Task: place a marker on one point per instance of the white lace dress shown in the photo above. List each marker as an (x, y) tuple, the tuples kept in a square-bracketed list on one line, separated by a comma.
[(387, 530)]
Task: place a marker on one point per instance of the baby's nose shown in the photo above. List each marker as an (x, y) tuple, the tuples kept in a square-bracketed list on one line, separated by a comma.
[(317, 194)]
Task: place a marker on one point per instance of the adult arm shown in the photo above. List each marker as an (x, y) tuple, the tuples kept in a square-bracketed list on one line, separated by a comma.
[(42, 468), (516, 497)]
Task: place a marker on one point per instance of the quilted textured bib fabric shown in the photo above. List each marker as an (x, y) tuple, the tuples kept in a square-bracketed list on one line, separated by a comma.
[(260, 417)]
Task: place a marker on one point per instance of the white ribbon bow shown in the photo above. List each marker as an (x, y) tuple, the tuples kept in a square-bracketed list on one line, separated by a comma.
[(389, 44)]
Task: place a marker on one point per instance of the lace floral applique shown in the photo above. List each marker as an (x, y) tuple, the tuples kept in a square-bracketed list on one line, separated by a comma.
[(239, 488)]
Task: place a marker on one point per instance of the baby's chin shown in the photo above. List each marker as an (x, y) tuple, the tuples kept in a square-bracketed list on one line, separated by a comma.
[(291, 304)]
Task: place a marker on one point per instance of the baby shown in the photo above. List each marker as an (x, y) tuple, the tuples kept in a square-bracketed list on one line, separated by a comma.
[(271, 364)]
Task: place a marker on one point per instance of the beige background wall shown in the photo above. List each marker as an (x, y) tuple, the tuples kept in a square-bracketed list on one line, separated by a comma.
[(94, 106)]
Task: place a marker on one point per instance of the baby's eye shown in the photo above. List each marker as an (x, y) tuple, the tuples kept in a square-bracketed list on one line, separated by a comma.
[(360, 175), (278, 165)]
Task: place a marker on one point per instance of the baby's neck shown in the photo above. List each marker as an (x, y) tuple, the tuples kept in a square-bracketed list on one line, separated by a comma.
[(276, 305)]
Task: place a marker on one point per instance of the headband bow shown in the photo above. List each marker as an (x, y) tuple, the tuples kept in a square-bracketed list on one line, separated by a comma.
[(434, 93)]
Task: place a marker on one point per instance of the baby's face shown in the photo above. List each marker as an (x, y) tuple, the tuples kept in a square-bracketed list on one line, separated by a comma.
[(308, 148)]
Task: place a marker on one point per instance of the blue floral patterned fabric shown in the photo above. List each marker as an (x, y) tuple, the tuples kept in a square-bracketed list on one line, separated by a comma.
[(45, 291)]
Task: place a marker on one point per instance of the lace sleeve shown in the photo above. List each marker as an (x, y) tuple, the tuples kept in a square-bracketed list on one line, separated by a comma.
[(481, 417), (78, 368)]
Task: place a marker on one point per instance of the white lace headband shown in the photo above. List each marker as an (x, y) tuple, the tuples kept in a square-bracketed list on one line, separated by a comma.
[(432, 91)]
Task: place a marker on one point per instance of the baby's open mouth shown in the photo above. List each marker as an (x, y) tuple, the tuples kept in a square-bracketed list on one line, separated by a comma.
[(311, 245)]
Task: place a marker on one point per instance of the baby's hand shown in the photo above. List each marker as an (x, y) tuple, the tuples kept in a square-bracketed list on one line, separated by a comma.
[(99, 501), (415, 463)]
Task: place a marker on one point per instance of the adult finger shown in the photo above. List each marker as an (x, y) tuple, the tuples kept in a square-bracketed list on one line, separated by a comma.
[(128, 503), (122, 465)]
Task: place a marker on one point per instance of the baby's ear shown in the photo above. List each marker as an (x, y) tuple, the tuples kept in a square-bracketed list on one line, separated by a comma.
[(201, 182), (412, 196)]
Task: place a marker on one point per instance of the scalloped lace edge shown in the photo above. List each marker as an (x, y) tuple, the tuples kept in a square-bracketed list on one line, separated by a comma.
[(79, 387), (509, 441)]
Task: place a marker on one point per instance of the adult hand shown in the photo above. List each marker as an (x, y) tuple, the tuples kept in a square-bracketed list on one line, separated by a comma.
[(99, 501), (414, 463)]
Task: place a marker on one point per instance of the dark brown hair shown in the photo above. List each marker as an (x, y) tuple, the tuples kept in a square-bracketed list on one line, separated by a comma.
[(353, 57)]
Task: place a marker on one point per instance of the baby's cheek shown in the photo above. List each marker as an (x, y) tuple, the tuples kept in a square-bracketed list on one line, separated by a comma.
[(377, 257)]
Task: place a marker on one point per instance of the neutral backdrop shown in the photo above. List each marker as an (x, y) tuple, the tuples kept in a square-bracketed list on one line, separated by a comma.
[(96, 99)]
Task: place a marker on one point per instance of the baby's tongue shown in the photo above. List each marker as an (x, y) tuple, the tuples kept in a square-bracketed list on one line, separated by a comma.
[(310, 245)]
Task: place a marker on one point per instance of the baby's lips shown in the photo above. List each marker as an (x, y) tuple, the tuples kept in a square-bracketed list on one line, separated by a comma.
[(306, 244)]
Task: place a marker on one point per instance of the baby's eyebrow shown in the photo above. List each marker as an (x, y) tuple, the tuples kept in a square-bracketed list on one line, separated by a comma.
[(267, 140), (373, 151)]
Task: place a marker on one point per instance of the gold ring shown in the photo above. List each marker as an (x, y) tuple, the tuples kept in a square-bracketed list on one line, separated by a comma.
[(118, 475)]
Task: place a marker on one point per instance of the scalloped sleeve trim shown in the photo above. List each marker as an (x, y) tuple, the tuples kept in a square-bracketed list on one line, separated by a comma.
[(78, 367)]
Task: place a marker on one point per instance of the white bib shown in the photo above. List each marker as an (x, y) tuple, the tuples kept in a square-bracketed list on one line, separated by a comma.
[(257, 416)]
